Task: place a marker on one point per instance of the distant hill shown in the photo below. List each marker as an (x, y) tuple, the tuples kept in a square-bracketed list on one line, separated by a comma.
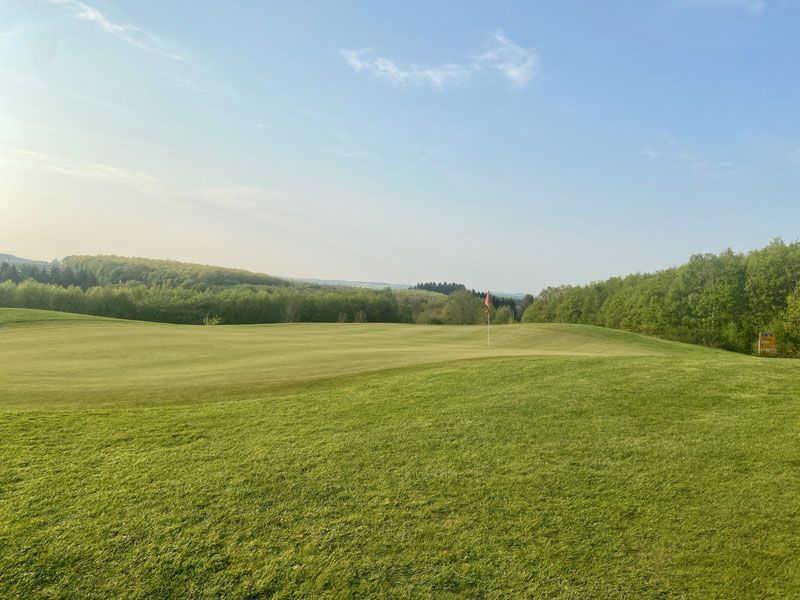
[(121, 269), (512, 295), (373, 285), (16, 260)]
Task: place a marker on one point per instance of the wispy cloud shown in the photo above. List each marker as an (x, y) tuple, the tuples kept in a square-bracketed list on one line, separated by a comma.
[(250, 201), (411, 75), (253, 202), (678, 155), (27, 160), (131, 34), (9, 33), (515, 63), (425, 157), (754, 7), (342, 144)]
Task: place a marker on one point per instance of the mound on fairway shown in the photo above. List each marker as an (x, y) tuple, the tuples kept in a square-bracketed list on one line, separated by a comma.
[(75, 360), (385, 461)]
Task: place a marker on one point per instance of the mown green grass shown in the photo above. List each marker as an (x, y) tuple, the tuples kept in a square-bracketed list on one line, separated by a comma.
[(654, 470), (64, 360)]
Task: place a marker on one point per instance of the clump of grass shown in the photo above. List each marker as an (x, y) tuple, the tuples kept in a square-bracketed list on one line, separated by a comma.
[(209, 320)]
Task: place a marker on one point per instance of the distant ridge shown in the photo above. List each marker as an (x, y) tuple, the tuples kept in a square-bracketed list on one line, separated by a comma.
[(16, 260), (373, 285), (379, 285)]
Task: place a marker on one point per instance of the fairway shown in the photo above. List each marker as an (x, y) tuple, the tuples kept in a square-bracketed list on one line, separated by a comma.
[(140, 460)]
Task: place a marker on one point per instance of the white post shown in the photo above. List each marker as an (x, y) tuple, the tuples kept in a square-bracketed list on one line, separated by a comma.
[(488, 322)]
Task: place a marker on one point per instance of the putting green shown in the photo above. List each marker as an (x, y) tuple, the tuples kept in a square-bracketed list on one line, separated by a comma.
[(61, 359)]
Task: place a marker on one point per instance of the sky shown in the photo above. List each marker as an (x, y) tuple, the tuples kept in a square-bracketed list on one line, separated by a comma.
[(506, 145)]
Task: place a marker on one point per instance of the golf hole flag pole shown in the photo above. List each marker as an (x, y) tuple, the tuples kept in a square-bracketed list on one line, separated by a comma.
[(488, 319)]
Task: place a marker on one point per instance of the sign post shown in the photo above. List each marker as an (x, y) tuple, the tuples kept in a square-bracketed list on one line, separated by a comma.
[(766, 344)]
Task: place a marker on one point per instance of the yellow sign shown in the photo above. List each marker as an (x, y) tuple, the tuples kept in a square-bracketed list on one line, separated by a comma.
[(766, 343)]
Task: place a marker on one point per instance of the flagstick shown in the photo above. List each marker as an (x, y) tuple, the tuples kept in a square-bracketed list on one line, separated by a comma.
[(488, 322)]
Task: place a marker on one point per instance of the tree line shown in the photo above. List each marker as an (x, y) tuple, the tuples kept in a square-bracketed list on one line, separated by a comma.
[(234, 305), (249, 305), (722, 300)]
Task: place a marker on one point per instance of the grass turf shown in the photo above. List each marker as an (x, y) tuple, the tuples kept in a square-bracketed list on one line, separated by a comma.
[(634, 468)]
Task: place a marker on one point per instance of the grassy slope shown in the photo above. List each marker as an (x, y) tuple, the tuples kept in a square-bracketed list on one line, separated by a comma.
[(639, 469), (25, 317)]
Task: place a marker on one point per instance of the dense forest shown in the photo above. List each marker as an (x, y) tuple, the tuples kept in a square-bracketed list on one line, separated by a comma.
[(54, 274), (720, 300), (116, 269), (240, 304)]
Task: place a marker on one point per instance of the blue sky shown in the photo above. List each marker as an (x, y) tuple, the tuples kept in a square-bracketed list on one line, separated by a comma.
[(506, 145)]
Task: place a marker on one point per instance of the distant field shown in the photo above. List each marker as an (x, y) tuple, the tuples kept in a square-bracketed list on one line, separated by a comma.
[(140, 460)]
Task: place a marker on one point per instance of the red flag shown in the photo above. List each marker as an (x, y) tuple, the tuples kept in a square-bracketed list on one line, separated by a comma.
[(487, 302)]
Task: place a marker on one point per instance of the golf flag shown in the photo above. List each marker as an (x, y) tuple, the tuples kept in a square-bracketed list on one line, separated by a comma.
[(488, 319)]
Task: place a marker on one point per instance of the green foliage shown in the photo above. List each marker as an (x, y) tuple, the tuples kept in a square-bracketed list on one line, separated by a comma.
[(420, 306), (463, 308), (792, 318), (502, 316), (523, 306), (717, 300), (430, 316)]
